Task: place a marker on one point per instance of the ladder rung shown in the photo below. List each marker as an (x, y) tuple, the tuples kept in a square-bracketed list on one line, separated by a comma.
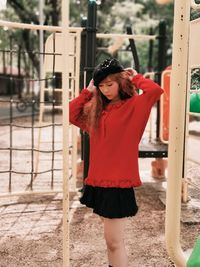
[(55, 89), (52, 107)]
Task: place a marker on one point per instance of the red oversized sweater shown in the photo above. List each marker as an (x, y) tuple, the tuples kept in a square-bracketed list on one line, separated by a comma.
[(114, 147)]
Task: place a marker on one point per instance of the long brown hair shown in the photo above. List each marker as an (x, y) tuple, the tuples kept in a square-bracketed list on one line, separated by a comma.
[(94, 108)]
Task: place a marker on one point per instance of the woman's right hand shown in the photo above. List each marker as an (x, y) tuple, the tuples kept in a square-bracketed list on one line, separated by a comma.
[(131, 72), (91, 86)]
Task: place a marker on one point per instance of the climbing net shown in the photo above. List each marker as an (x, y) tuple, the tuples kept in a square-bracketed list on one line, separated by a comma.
[(31, 142)]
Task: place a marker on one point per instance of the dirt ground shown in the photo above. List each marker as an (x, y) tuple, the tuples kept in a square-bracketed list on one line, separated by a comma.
[(31, 232), (31, 229)]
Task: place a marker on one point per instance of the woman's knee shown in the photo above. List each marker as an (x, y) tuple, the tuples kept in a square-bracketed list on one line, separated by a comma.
[(114, 244), (114, 233)]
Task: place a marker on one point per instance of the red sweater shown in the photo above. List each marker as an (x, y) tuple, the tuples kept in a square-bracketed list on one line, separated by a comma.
[(114, 147)]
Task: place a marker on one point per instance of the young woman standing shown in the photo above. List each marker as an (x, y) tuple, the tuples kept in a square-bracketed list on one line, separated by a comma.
[(115, 116)]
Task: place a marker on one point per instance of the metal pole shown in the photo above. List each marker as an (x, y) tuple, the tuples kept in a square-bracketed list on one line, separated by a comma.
[(3, 4), (161, 65), (150, 54), (41, 34), (65, 121), (90, 63), (82, 66), (134, 50), (178, 96)]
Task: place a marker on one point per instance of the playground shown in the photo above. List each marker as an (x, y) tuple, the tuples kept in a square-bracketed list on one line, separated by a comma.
[(44, 159), (31, 225)]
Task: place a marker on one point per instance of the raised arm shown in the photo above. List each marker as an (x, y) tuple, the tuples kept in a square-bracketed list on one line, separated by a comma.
[(144, 102), (151, 90), (76, 109), (76, 106)]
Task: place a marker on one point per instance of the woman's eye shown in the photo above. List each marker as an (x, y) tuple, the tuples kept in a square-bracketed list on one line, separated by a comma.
[(110, 84)]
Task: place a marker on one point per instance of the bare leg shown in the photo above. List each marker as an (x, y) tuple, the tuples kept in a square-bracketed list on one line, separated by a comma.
[(114, 236)]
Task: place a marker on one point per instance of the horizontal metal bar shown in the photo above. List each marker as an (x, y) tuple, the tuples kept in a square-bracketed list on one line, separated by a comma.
[(191, 67), (53, 106), (53, 89), (194, 114), (197, 91), (23, 193), (18, 25), (128, 36), (153, 154)]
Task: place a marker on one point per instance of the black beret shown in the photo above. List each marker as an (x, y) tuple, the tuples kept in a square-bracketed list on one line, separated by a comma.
[(109, 66)]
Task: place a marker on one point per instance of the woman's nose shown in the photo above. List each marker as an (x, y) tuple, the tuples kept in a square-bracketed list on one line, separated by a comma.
[(105, 90)]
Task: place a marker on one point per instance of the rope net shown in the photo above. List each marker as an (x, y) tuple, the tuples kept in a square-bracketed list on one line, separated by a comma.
[(20, 103)]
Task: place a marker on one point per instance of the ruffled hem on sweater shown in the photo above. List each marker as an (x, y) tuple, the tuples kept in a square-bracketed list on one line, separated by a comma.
[(123, 183)]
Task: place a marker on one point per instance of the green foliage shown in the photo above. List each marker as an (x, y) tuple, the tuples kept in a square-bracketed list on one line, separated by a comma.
[(195, 80), (114, 16), (78, 10), (26, 41)]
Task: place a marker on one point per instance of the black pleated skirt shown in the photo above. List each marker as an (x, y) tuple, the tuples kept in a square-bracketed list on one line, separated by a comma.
[(110, 202)]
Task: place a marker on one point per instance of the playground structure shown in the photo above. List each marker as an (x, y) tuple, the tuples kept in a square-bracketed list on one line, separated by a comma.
[(186, 38), (175, 178), (65, 124)]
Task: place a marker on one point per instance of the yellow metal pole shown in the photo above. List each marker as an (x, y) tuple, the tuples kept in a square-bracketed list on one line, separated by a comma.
[(178, 96), (65, 121), (19, 25)]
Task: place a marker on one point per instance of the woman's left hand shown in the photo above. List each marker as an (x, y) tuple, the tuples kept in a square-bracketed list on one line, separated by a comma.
[(91, 86)]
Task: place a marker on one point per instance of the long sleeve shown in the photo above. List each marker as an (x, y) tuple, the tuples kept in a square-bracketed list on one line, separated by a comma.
[(76, 109), (144, 102), (151, 90)]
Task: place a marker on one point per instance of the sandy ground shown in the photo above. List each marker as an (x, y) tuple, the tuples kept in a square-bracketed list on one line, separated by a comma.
[(31, 227), (31, 233)]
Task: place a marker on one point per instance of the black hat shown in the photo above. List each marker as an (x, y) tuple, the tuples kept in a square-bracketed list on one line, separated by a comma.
[(109, 66)]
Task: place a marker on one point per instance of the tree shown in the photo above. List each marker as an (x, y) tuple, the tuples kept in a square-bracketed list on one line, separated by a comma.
[(114, 16), (27, 12)]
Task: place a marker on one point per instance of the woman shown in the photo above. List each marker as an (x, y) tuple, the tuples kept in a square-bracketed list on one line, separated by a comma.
[(114, 116)]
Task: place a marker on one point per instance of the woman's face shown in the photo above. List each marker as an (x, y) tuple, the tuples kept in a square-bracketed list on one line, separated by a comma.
[(110, 89)]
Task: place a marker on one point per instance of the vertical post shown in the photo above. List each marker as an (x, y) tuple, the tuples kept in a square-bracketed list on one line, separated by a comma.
[(82, 66), (19, 82), (65, 122), (90, 63), (41, 34), (161, 48), (161, 65), (134, 50), (41, 81), (150, 54), (3, 4), (83, 51), (11, 93), (178, 96)]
